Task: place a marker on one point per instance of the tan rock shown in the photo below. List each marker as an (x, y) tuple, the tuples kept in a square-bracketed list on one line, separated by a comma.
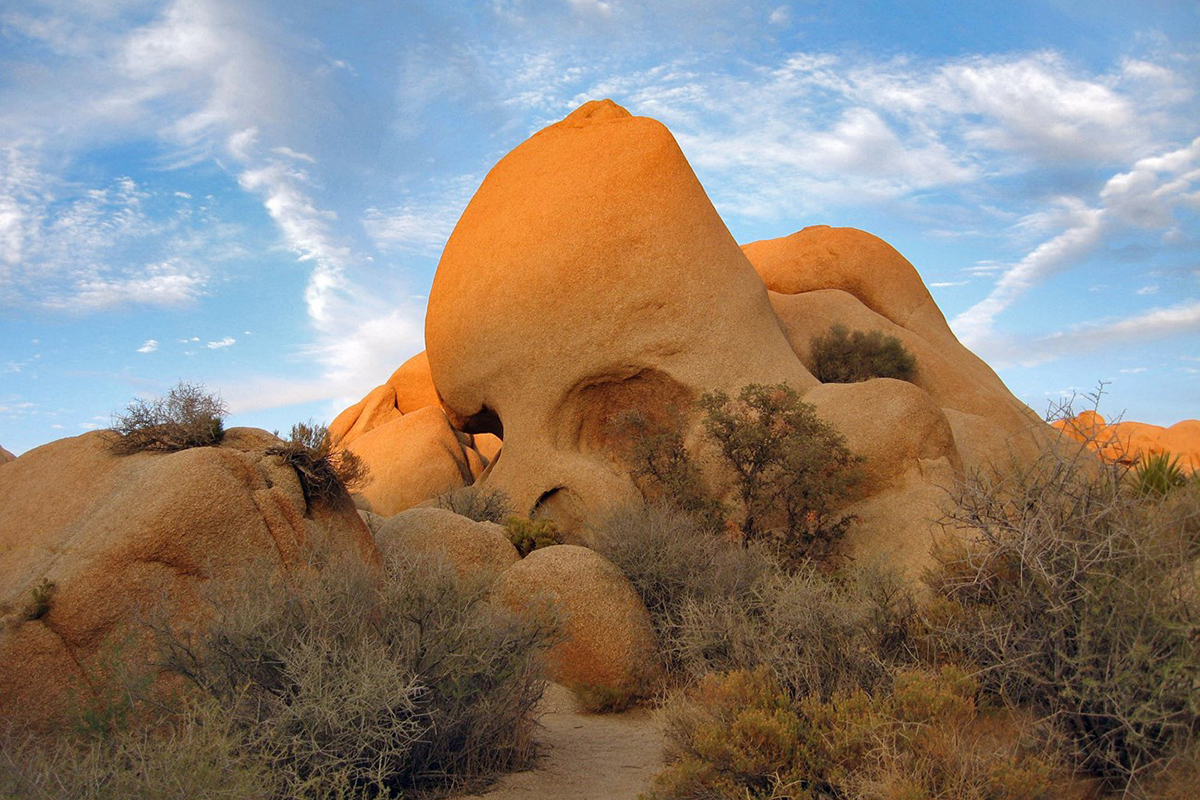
[(6, 456), (620, 288), (609, 642), (413, 385), (411, 459), (471, 547), (113, 533)]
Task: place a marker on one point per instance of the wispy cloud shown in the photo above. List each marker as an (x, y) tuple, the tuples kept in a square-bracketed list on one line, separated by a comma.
[(221, 344), (149, 347)]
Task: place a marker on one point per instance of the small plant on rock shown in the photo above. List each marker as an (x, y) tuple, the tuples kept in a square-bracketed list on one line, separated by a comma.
[(40, 599), (528, 535), (187, 417), (478, 503), (327, 472), (842, 356)]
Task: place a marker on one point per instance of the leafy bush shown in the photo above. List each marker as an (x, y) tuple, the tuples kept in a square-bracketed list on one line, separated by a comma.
[(478, 503), (528, 535), (839, 356), (327, 472), (1078, 597), (187, 417), (341, 682), (794, 471), (739, 735)]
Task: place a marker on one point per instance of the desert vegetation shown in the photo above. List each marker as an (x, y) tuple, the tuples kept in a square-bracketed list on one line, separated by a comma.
[(328, 473), (188, 416), (335, 683), (1051, 653), (843, 356)]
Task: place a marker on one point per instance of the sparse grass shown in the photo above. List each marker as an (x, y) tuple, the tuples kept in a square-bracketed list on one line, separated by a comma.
[(478, 503), (528, 535), (328, 473), (842, 356), (187, 417)]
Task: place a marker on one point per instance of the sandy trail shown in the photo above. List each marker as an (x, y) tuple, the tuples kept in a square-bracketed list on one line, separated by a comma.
[(586, 756)]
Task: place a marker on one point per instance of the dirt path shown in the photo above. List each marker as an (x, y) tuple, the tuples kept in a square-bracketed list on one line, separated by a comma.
[(586, 756)]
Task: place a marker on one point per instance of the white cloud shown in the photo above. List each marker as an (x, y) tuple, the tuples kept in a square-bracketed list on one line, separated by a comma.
[(100, 293), (780, 16), (1151, 289), (220, 344), (149, 347), (1133, 371)]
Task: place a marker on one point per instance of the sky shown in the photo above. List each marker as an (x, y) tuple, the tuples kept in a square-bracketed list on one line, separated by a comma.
[(253, 195)]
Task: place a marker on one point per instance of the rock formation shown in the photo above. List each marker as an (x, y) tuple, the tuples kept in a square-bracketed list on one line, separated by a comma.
[(404, 437), (471, 547), (590, 275), (6, 456), (89, 539), (608, 642), (1130, 442)]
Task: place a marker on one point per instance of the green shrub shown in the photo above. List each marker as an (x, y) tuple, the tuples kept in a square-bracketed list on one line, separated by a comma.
[(1157, 474), (1078, 597), (478, 503), (328, 473), (740, 735), (528, 535), (840, 356), (793, 471), (343, 684), (187, 417)]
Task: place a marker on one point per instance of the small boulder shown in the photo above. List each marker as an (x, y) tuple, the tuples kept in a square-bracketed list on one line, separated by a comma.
[(471, 547), (609, 644)]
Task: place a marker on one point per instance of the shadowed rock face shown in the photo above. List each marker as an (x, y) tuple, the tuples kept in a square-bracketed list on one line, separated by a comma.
[(6, 456), (590, 275), (100, 537)]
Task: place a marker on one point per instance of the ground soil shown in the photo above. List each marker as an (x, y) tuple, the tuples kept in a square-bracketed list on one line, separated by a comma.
[(586, 756)]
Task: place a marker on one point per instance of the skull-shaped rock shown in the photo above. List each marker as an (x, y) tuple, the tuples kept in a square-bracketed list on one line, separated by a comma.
[(589, 275)]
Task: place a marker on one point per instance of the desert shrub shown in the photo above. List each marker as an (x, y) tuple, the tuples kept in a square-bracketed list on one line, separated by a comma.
[(327, 472), (528, 535), (661, 466), (187, 417), (347, 685), (794, 472), (740, 735), (40, 598), (716, 606), (478, 503), (842, 356), (202, 756), (1078, 597), (1157, 474)]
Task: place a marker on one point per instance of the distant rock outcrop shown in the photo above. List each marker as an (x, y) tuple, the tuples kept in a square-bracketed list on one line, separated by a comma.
[(1130, 442), (590, 275), (88, 539)]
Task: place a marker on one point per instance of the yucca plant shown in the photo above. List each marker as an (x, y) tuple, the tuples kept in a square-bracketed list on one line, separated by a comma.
[(1157, 474)]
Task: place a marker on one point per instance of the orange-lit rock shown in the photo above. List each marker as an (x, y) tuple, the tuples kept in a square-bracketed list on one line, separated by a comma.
[(590, 274), (110, 535), (1130, 442)]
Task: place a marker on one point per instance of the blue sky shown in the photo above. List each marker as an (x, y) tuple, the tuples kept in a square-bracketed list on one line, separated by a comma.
[(254, 195)]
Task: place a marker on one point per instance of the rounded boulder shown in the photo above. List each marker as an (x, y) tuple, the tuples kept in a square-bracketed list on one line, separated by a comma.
[(608, 643), (471, 547)]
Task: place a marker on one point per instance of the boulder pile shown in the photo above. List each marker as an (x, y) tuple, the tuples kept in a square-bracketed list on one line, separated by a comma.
[(590, 275), (91, 542), (1131, 442)]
